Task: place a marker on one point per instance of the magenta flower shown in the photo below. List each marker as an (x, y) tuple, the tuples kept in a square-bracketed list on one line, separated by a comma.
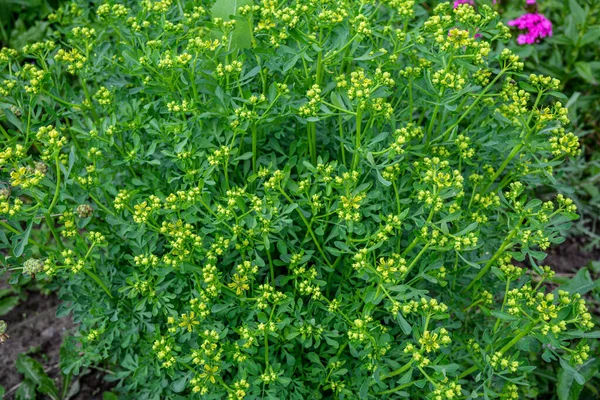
[(530, 2), (536, 25), (459, 2)]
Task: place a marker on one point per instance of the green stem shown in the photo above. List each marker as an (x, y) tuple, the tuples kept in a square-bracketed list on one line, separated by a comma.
[(98, 281), (497, 324), (412, 264), (254, 148), (57, 189), (468, 110), (271, 267), (410, 99), (89, 98), (394, 390), (102, 206), (357, 143), (310, 231), (52, 228), (503, 350), (61, 101), (400, 370), (503, 166), (342, 146), (487, 266)]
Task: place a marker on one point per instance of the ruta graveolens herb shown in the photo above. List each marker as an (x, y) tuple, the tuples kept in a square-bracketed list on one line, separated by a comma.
[(301, 199)]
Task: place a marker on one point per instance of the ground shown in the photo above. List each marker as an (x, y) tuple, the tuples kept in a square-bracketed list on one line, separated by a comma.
[(32, 324), (33, 327)]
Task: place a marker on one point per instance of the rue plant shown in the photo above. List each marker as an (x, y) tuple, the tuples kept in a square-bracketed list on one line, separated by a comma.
[(299, 199)]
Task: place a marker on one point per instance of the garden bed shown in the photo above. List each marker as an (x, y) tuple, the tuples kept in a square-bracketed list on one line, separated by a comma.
[(34, 326)]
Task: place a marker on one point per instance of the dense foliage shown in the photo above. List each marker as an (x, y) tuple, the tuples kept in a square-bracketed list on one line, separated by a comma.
[(571, 55), (314, 199)]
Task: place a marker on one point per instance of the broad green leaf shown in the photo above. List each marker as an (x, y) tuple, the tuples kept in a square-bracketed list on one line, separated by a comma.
[(570, 370), (179, 384), (577, 11), (7, 304), (584, 69), (22, 240), (404, 325), (34, 372), (26, 391), (567, 387), (581, 283)]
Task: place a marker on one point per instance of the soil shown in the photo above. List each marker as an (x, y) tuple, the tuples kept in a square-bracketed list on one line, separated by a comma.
[(33, 325), (571, 255), (34, 329)]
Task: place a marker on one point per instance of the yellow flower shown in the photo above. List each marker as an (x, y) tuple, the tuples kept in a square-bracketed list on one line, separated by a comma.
[(239, 283), (188, 321)]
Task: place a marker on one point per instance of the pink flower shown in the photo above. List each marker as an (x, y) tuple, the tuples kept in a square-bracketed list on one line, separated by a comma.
[(536, 25), (459, 2), (530, 2)]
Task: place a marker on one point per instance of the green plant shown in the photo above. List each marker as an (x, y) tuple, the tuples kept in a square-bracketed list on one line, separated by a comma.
[(22, 21), (572, 56), (36, 380), (316, 199)]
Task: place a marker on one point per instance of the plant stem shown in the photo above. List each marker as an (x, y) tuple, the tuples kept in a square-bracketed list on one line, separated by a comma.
[(468, 110), (102, 206), (254, 148), (271, 267), (357, 143), (57, 189), (487, 266), (503, 350), (98, 281), (50, 224), (310, 231)]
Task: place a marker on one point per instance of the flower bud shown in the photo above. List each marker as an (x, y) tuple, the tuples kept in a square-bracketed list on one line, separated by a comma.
[(33, 266), (5, 193), (3, 335), (41, 167), (15, 110), (84, 210)]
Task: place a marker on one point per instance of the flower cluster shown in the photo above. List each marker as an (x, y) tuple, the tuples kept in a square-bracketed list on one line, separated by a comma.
[(536, 26)]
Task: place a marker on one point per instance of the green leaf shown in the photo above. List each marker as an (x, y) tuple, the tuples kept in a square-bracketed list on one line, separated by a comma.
[(504, 316), (567, 387), (241, 36), (576, 11), (22, 240), (10, 117), (591, 36), (7, 304), (584, 70), (364, 390), (404, 325), (572, 371), (34, 372), (26, 391), (581, 283), (219, 307), (179, 384), (109, 396), (564, 386), (245, 156)]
